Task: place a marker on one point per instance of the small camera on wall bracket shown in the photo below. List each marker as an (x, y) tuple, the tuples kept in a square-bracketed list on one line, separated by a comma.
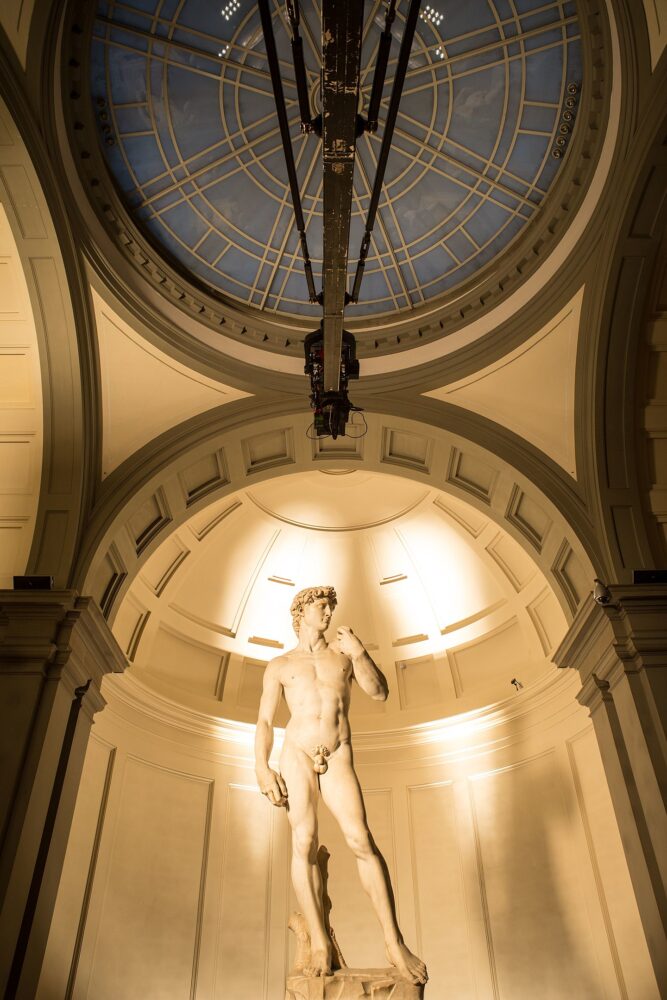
[(332, 409)]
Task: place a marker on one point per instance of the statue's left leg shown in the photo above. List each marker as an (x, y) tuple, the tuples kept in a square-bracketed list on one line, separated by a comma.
[(342, 794)]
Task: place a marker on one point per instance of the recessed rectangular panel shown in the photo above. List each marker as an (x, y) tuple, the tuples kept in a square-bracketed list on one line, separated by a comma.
[(162, 566), (471, 474), (418, 682), (512, 560), (15, 377), (151, 908), (528, 517), (12, 536), (15, 465), (66, 934), (147, 522), (268, 450), (9, 301), (539, 933), (483, 661), (625, 938), (406, 449), (250, 686), (188, 664), (463, 514), (204, 476), (442, 916), (246, 896), (24, 203), (548, 619)]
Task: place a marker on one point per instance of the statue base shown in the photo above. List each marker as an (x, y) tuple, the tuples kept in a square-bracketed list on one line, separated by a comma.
[(353, 984)]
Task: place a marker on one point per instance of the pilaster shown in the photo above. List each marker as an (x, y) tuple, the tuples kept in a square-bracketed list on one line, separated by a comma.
[(620, 651), (55, 648)]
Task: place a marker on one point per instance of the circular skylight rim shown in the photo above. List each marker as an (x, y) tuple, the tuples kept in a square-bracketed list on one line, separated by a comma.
[(432, 318)]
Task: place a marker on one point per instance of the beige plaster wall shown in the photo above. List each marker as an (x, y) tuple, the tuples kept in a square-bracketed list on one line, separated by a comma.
[(20, 406), (497, 827)]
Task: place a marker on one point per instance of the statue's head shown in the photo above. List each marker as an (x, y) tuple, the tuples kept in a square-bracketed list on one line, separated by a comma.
[(309, 596)]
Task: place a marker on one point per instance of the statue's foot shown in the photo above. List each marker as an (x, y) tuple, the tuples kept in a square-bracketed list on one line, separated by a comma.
[(409, 966), (320, 962)]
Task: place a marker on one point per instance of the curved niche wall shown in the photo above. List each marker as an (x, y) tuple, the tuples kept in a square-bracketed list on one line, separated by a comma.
[(450, 606), (489, 803)]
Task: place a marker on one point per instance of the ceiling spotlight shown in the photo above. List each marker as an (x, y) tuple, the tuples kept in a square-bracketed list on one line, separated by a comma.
[(230, 9), (431, 15)]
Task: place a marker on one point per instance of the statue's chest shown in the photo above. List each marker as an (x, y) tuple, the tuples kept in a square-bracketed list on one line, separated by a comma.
[(333, 671)]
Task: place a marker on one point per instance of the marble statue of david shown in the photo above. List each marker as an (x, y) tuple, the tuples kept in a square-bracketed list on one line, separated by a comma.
[(316, 758)]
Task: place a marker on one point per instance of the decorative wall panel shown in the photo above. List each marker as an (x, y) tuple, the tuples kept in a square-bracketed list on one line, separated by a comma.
[(148, 931), (243, 944), (437, 871), (535, 906)]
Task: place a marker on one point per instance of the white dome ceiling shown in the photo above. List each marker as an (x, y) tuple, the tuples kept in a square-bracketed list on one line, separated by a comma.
[(449, 605)]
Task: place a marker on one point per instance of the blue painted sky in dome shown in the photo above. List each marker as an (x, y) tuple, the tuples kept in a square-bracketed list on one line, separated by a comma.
[(188, 126)]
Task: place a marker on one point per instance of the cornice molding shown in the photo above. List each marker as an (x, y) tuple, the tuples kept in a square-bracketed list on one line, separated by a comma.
[(625, 635), (71, 410), (58, 634), (469, 735)]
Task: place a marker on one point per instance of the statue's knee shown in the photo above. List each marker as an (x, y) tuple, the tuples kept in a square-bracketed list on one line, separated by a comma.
[(360, 844), (304, 844)]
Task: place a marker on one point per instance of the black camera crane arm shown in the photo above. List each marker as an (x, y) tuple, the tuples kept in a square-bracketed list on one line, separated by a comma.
[(339, 126)]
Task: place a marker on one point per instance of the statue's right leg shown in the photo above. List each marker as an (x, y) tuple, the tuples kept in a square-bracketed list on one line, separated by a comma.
[(297, 769)]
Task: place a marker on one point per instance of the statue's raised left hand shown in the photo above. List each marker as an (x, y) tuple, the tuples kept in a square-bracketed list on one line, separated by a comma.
[(348, 643)]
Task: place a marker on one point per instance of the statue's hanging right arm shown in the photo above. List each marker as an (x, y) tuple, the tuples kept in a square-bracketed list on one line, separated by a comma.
[(270, 783)]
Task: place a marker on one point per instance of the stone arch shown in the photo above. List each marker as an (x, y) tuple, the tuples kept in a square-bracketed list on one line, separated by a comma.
[(615, 365), (145, 505), (69, 422)]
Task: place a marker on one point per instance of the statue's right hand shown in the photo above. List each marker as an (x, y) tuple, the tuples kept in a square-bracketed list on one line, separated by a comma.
[(273, 786)]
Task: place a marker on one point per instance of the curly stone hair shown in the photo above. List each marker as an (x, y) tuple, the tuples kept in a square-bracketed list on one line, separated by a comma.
[(309, 596)]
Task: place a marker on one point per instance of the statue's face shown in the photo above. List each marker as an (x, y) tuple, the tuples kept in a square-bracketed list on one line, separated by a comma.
[(317, 614)]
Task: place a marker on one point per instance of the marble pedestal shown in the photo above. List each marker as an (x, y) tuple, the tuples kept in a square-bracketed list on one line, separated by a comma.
[(353, 984)]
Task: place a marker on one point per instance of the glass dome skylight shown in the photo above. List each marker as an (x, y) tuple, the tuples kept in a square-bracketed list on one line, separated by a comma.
[(183, 99)]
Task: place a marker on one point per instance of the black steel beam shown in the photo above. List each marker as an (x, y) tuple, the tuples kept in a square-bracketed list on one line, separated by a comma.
[(342, 23), (380, 69), (387, 136), (274, 69), (308, 123)]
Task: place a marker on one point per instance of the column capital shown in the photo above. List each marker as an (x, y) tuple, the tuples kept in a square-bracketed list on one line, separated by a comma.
[(48, 631), (628, 633)]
